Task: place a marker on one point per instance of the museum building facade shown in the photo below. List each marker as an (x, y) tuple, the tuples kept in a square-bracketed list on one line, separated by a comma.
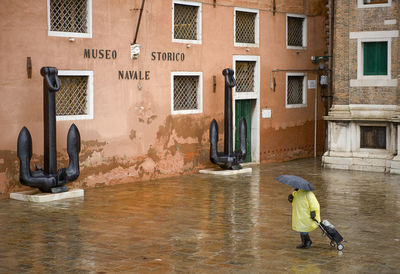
[(142, 80)]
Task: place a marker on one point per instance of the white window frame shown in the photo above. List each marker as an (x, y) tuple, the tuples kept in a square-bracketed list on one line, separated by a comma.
[(71, 34), (304, 31), (199, 92), (256, 26), (373, 80), (90, 105), (199, 21), (362, 5), (304, 104)]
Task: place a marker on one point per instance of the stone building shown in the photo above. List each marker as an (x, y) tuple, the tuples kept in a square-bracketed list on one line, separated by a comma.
[(146, 114), (363, 123)]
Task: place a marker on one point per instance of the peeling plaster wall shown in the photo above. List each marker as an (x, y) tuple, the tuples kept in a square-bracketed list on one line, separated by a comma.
[(133, 135)]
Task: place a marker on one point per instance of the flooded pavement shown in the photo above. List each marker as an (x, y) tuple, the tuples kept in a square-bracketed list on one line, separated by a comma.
[(206, 224)]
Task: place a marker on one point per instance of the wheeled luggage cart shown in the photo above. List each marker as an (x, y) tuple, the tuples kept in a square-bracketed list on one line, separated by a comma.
[(330, 231)]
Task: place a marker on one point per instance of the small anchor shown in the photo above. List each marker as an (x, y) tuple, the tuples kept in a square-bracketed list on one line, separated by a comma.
[(50, 179), (229, 159)]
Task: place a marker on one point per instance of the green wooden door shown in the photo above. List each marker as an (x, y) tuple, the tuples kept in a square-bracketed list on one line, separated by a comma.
[(243, 109)]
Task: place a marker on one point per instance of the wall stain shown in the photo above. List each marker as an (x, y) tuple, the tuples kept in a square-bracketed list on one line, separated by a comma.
[(179, 149), (132, 135)]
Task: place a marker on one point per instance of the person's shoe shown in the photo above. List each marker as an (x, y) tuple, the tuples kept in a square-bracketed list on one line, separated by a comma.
[(308, 242), (303, 242)]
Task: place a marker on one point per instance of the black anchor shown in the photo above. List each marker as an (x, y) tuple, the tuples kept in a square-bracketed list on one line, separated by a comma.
[(228, 159), (50, 179)]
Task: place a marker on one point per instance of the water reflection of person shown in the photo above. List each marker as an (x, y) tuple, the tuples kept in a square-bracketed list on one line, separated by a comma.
[(305, 210)]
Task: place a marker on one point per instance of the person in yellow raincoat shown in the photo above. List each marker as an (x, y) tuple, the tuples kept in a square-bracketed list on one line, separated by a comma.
[(305, 209)]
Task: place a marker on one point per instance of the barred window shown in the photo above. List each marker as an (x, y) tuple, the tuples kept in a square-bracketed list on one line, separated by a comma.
[(186, 92), (70, 18), (296, 31), (74, 99), (246, 27), (245, 76), (295, 90), (186, 21)]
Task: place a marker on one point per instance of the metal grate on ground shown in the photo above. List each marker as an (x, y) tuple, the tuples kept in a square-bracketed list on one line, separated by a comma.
[(295, 90), (71, 99), (245, 71), (245, 27), (69, 15), (185, 92), (295, 31), (185, 22)]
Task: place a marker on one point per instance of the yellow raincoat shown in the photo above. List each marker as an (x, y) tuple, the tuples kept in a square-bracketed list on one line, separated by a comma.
[(303, 203)]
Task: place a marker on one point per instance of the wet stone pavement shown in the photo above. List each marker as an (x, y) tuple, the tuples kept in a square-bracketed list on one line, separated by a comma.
[(207, 224)]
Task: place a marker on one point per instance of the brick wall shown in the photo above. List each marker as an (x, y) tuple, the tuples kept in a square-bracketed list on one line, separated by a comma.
[(350, 18)]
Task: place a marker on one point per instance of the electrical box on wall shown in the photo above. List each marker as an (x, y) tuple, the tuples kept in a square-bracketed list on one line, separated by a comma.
[(323, 80)]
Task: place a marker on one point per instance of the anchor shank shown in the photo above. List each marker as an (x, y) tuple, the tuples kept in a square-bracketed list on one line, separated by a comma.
[(51, 84), (228, 123)]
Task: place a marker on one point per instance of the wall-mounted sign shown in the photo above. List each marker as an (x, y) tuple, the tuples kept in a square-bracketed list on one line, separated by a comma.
[(100, 54), (167, 56), (311, 84), (133, 75)]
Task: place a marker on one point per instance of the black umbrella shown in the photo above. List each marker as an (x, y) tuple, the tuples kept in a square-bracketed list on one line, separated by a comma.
[(295, 182)]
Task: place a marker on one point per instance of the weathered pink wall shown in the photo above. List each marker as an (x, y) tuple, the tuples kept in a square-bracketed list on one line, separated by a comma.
[(133, 135)]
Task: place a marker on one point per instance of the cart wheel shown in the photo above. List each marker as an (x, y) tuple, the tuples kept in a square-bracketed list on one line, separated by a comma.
[(332, 243), (340, 247)]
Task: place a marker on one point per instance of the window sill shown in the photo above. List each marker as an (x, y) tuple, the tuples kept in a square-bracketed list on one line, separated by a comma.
[(376, 82), (296, 48), (246, 45), (69, 34), (186, 41), (297, 106)]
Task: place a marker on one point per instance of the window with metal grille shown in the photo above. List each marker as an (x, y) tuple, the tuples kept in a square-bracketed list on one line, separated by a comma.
[(295, 90), (186, 93), (296, 31), (186, 24), (373, 137), (68, 17), (245, 76), (245, 27), (74, 99)]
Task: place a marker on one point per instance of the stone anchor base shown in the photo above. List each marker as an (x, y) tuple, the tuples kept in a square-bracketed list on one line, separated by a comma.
[(219, 171), (37, 196)]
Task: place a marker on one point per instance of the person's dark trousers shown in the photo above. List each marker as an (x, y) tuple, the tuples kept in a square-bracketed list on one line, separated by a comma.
[(305, 240)]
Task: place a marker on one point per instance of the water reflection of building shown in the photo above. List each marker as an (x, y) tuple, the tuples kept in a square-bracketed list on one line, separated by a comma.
[(364, 121), (149, 116)]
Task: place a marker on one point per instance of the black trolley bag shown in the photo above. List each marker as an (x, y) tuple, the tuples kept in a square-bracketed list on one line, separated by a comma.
[(330, 231)]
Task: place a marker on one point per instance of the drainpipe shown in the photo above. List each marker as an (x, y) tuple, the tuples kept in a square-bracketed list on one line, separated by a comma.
[(315, 115)]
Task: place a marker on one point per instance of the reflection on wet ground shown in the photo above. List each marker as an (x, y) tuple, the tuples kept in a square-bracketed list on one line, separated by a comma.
[(204, 223)]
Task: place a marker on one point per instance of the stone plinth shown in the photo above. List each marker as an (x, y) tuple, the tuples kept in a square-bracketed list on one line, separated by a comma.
[(219, 171), (36, 196)]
